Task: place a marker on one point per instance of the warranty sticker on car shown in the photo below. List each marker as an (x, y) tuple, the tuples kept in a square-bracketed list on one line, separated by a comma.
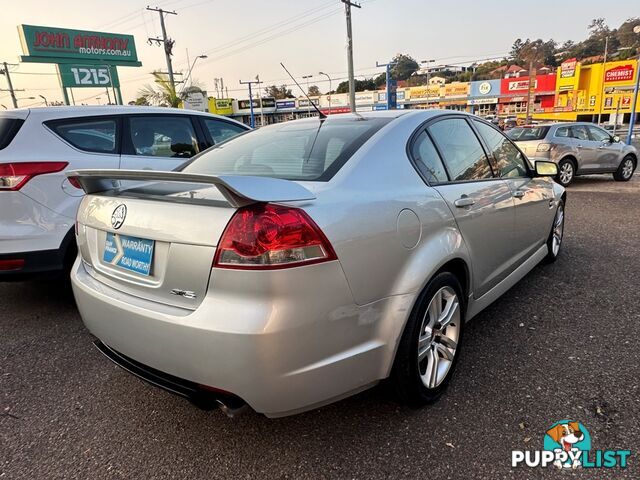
[(131, 253)]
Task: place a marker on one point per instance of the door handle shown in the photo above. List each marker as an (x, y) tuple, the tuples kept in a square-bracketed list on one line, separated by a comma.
[(579, 146), (464, 202), (518, 194)]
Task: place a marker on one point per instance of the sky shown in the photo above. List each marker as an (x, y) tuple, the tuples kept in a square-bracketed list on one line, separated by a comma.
[(245, 38)]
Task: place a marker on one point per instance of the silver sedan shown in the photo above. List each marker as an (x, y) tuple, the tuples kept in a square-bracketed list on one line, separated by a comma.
[(578, 149), (300, 263)]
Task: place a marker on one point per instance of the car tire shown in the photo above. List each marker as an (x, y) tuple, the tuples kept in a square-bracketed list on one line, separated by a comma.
[(554, 242), (566, 172), (430, 345), (625, 169)]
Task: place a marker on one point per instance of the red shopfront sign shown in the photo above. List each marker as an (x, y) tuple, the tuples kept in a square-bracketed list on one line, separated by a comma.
[(623, 73), (520, 86), (335, 110)]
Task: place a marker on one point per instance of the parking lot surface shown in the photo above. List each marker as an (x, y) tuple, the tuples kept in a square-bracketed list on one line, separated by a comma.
[(562, 344)]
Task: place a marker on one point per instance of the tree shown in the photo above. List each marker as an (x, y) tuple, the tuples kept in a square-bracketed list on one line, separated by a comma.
[(314, 91), (139, 101), (278, 92), (360, 85), (162, 93)]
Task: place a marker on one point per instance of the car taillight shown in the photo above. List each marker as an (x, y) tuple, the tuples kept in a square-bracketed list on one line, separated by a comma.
[(266, 236), (13, 176), (12, 264)]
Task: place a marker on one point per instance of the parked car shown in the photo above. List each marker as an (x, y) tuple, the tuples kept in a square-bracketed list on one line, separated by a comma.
[(578, 149), (37, 146), (314, 259), (509, 124)]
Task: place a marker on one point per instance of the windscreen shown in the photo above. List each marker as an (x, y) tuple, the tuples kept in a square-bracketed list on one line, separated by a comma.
[(8, 129), (522, 134), (304, 150)]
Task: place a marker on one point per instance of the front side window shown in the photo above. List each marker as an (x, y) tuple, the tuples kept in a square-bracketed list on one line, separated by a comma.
[(509, 161), (302, 150), (462, 153), (221, 130), (163, 136), (89, 135), (427, 159), (599, 135)]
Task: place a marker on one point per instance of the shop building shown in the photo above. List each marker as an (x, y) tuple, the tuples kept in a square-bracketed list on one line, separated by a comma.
[(514, 94), (483, 97)]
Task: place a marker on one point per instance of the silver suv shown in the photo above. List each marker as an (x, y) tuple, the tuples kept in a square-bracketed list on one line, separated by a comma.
[(578, 149)]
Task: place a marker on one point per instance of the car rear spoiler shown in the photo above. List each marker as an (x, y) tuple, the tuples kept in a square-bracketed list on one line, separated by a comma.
[(238, 190)]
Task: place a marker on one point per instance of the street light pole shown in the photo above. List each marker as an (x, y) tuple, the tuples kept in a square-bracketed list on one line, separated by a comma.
[(190, 69), (330, 89), (428, 76), (307, 77), (632, 120)]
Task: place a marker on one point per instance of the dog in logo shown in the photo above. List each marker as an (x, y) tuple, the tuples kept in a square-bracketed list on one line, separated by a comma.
[(566, 435)]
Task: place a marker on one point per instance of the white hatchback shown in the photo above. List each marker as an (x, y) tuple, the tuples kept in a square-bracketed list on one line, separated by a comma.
[(38, 204)]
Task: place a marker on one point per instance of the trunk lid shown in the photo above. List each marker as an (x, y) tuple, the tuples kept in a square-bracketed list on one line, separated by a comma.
[(157, 239)]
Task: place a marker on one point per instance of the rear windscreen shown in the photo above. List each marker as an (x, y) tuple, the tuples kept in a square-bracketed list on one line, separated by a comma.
[(8, 129), (303, 150), (522, 134)]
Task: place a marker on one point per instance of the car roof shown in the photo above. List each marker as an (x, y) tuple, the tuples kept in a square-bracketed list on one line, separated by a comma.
[(46, 113)]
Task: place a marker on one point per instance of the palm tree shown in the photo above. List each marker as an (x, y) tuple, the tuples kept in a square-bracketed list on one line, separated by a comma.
[(163, 93)]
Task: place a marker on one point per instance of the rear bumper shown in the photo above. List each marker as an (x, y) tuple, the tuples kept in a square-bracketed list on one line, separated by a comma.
[(294, 342), (39, 264)]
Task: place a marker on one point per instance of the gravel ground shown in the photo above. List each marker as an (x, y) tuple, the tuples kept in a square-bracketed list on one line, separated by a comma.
[(563, 343)]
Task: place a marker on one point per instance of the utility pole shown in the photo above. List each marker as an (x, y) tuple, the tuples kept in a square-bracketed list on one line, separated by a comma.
[(352, 87), (5, 71), (167, 42), (632, 119), (260, 101), (252, 121), (307, 77)]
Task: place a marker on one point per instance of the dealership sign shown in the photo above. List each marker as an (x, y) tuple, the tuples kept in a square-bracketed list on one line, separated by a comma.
[(63, 45), (82, 76), (622, 73)]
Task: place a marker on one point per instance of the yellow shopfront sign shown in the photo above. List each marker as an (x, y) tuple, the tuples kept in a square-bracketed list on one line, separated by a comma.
[(221, 106)]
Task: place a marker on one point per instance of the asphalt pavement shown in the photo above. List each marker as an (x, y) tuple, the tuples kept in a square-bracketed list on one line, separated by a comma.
[(562, 344)]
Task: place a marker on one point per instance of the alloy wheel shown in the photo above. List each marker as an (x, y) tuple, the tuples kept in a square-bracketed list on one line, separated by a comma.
[(627, 168), (566, 173), (439, 335), (558, 230)]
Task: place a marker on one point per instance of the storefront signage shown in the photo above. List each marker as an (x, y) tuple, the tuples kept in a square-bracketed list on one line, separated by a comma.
[(196, 101), (520, 85), (484, 88), (304, 103), (82, 76), (456, 90), (623, 73), (63, 45), (285, 104), (483, 101), (431, 91), (364, 98), (568, 68)]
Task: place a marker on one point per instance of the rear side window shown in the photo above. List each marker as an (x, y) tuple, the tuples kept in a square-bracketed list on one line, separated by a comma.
[(221, 131), (8, 129), (301, 150), (522, 134), (563, 132), (509, 161), (427, 159), (163, 136), (463, 154), (90, 135)]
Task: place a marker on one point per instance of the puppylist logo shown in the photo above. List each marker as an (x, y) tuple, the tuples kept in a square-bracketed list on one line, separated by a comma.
[(567, 444)]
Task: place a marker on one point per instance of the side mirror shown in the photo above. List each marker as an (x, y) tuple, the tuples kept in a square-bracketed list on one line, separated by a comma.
[(615, 139), (546, 169)]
